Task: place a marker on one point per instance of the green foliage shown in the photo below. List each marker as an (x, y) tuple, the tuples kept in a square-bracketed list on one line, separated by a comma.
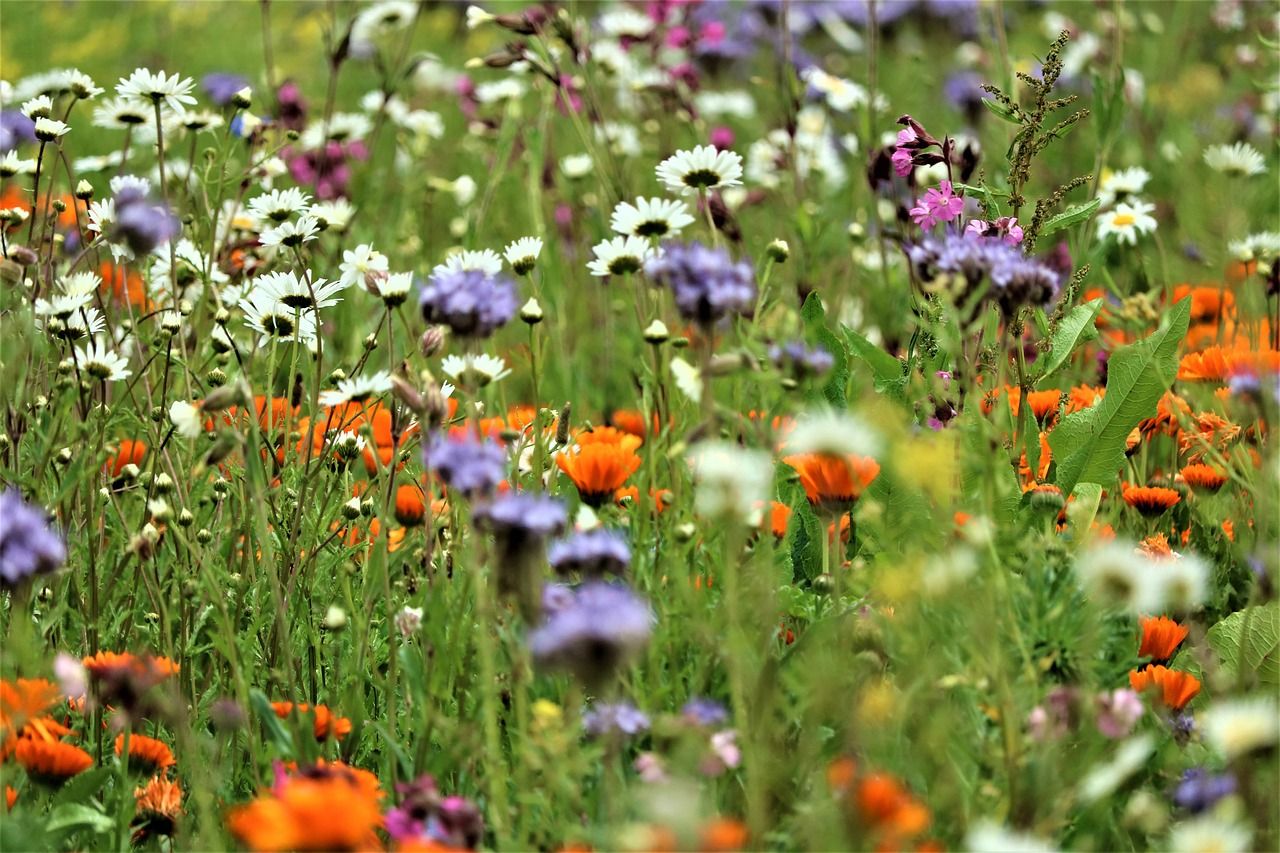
[(1252, 637)]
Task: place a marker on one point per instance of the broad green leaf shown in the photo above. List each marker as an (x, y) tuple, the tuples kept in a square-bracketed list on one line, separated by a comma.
[(1001, 110), (77, 815), (805, 532), (887, 370), (80, 788), (985, 468), (1069, 217), (986, 194), (1030, 431), (1075, 328), (1088, 446), (815, 322), (276, 732), (1083, 508), (1261, 647)]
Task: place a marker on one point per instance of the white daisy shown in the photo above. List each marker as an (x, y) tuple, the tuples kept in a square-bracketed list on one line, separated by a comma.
[(376, 100), (737, 103), (486, 260), (300, 294), (1210, 834), (1183, 583), (1127, 222), (523, 254), (1236, 727), (357, 390), (101, 363), (274, 320), (186, 419), (291, 233), (360, 262), (62, 305), (573, 165), (423, 123), (732, 481), (840, 94), (988, 837), (1241, 159), (703, 168), (77, 326), (833, 433), (279, 205), (622, 139), (378, 20), (625, 21), (1104, 779), (80, 283), (464, 190), (154, 86), (98, 163), (135, 183), (496, 91), (1116, 573), (47, 129), (620, 256), (650, 217), (333, 215), (342, 127), (38, 107), (1264, 247), (81, 85), (687, 378), (11, 164), (1119, 185), (121, 113), (474, 370), (199, 120), (394, 289)]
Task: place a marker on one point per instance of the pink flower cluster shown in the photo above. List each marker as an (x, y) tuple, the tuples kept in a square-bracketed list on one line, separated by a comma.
[(1006, 227), (937, 205)]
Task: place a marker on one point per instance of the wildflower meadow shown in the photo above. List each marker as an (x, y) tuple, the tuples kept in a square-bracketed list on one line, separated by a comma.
[(662, 425)]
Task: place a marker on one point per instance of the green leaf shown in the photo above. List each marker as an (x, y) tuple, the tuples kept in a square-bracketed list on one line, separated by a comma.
[(986, 194), (77, 815), (1075, 328), (804, 531), (887, 370), (1001, 110), (1261, 647), (1088, 446), (815, 322), (1070, 216), (1082, 510), (276, 732), (80, 788)]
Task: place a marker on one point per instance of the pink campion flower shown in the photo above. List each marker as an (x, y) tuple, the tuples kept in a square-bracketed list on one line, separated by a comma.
[(938, 205), (1118, 712), (901, 159), (1006, 227), (679, 36), (722, 137), (712, 33)]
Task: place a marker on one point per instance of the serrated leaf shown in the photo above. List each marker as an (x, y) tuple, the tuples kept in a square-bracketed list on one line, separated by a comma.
[(1076, 327), (1088, 446), (1083, 507), (1001, 110), (886, 370), (814, 315), (77, 815), (1261, 647), (804, 532), (1069, 217), (80, 788), (276, 732)]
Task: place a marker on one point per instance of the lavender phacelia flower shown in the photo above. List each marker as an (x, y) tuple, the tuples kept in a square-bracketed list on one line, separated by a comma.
[(591, 554), (470, 466), (1199, 789), (221, 86), (28, 545), (595, 634), (964, 261), (605, 718), (142, 223), (520, 522), (472, 303), (707, 283), (800, 360), (701, 711)]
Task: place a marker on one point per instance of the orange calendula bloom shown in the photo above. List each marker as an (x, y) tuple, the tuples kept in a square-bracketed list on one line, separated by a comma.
[(411, 505), (1156, 547), (1176, 688), (779, 518), (1083, 396), (51, 762), (146, 754), (608, 435), (1169, 411), (109, 664), (130, 452), (10, 797), (1216, 363), (723, 835), (1203, 478), (158, 807), (1151, 500), (124, 284), (631, 421), (599, 468), (831, 481), (326, 722), (1160, 638), (329, 811), (24, 699), (885, 804), (1207, 301)]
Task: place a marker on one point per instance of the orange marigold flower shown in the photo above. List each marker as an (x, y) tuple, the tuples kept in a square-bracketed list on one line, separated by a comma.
[(158, 807), (598, 468), (1156, 547), (410, 505), (723, 835), (1029, 477), (1044, 405), (105, 665), (1203, 478), (146, 753), (608, 435), (1084, 396), (1176, 688), (1207, 301), (1160, 638), (124, 284), (632, 421), (779, 518), (1216, 363), (831, 481), (1169, 411), (10, 797), (520, 418), (131, 452), (51, 762), (1211, 430), (326, 722), (24, 699), (1150, 500), (630, 496), (1229, 529), (841, 773), (329, 812), (886, 805)]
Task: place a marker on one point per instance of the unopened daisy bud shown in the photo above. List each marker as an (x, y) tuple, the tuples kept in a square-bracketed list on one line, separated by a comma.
[(216, 378), (431, 342), (130, 472), (59, 206), (150, 534), (84, 190), (48, 130), (531, 312), (159, 510), (242, 99), (186, 518), (163, 483), (222, 316), (408, 395), (680, 342), (477, 17), (64, 456), (23, 256), (562, 424), (685, 532), (856, 231), (351, 509), (408, 621), (171, 322), (824, 583), (204, 536), (337, 375), (370, 341), (367, 507), (335, 618), (221, 486), (435, 408), (226, 396), (778, 251), (656, 333), (4, 441)]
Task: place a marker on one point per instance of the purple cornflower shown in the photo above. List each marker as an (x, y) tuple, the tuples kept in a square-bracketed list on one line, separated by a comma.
[(604, 718), (472, 303), (592, 554), (937, 205), (221, 87), (1199, 789), (594, 634), (800, 360), (707, 283), (425, 815), (471, 466), (704, 712), (963, 90), (28, 545), (520, 523), (1118, 712), (141, 223)]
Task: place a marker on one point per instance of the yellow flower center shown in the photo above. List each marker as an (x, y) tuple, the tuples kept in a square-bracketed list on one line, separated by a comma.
[(1122, 219)]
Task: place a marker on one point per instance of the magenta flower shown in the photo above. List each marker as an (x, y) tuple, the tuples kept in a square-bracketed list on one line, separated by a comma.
[(901, 160), (938, 205), (1006, 227)]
